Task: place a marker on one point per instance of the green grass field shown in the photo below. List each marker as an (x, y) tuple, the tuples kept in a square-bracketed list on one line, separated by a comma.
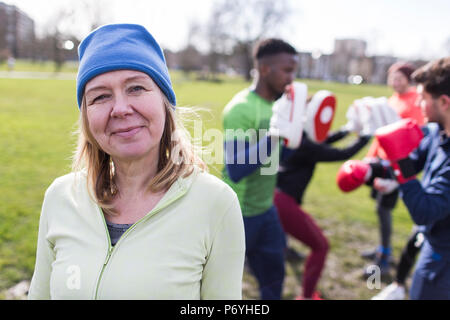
[(39, 66), (38, 119)]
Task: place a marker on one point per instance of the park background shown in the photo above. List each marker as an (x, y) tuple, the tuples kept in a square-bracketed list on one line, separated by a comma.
[(38, 112)]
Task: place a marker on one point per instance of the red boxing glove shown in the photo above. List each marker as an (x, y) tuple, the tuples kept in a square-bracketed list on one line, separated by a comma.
[(352, 174), (398, 140)]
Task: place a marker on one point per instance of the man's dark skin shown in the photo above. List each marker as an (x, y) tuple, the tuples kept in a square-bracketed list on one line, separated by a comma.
[(276, 72)]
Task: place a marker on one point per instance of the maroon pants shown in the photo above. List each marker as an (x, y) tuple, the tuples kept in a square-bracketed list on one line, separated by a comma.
[(301, 226)]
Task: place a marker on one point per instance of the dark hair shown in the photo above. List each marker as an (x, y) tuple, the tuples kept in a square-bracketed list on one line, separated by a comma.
[(405, 68), (435, 77), (272, 46)]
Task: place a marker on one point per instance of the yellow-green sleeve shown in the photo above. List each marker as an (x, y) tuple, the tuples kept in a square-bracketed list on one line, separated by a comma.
[(223, 271), (40, 283)]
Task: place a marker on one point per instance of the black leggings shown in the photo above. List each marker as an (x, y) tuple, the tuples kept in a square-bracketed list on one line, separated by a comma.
[(384, 206), (409, 253)]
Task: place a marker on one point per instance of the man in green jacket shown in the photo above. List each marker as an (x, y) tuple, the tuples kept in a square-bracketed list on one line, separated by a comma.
[(249, 135)]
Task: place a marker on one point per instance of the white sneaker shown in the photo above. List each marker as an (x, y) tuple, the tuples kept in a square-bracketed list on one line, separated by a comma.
[(391, 292)]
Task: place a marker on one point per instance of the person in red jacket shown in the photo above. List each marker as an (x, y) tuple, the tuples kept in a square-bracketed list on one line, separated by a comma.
[(404, 101)]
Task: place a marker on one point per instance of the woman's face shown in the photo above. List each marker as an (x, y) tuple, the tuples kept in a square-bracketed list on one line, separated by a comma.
[(126, 114), (398, 81)]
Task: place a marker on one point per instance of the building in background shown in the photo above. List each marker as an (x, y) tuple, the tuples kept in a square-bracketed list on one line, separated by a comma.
[(17, 36), (349, 61), (380, 66)]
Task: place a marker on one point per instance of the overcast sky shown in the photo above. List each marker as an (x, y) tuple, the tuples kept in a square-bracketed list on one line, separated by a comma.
[(407, 29)]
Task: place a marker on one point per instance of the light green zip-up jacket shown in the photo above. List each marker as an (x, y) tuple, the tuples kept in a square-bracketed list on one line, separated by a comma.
[(190, 246)]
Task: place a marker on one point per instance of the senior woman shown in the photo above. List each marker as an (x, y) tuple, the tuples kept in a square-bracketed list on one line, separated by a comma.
[(139, 217)]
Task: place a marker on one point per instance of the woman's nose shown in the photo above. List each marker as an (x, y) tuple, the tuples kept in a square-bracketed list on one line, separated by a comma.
[(121, 106)]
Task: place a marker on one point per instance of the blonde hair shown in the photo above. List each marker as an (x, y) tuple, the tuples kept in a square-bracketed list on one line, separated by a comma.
[(177, 158)]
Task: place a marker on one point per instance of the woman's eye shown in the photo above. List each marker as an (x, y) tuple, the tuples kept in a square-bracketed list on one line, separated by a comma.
[(100, 98), (136, 89)]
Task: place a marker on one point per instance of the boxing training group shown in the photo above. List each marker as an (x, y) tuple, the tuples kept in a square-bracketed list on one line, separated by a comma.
[(139, 216), (297, 132)]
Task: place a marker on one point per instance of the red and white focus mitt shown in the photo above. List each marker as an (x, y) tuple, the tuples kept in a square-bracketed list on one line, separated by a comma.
[(319, 115), (287, 115)]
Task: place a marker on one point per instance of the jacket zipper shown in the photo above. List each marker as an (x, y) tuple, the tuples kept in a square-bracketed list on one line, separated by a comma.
[(108, 255), (112, 249)]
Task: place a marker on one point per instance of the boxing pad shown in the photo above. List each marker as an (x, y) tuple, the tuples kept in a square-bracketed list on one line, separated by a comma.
[(368, 114), (287, 115), (320, 113), (352, 174), (382, 113)]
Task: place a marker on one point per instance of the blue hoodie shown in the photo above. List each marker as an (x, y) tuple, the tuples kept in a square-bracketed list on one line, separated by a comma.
[(428, 201)]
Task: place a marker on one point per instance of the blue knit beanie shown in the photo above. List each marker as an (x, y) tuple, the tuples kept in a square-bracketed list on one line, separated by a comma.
[(118, 47)]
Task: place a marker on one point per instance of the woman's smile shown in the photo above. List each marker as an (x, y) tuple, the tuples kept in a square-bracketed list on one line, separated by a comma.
[(127, 132)]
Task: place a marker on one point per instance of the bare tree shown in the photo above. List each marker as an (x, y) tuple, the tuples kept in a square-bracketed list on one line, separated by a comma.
[(218, 39), (95, 12), (56, 30), (239, 24), (66, 23), (190, 58)]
